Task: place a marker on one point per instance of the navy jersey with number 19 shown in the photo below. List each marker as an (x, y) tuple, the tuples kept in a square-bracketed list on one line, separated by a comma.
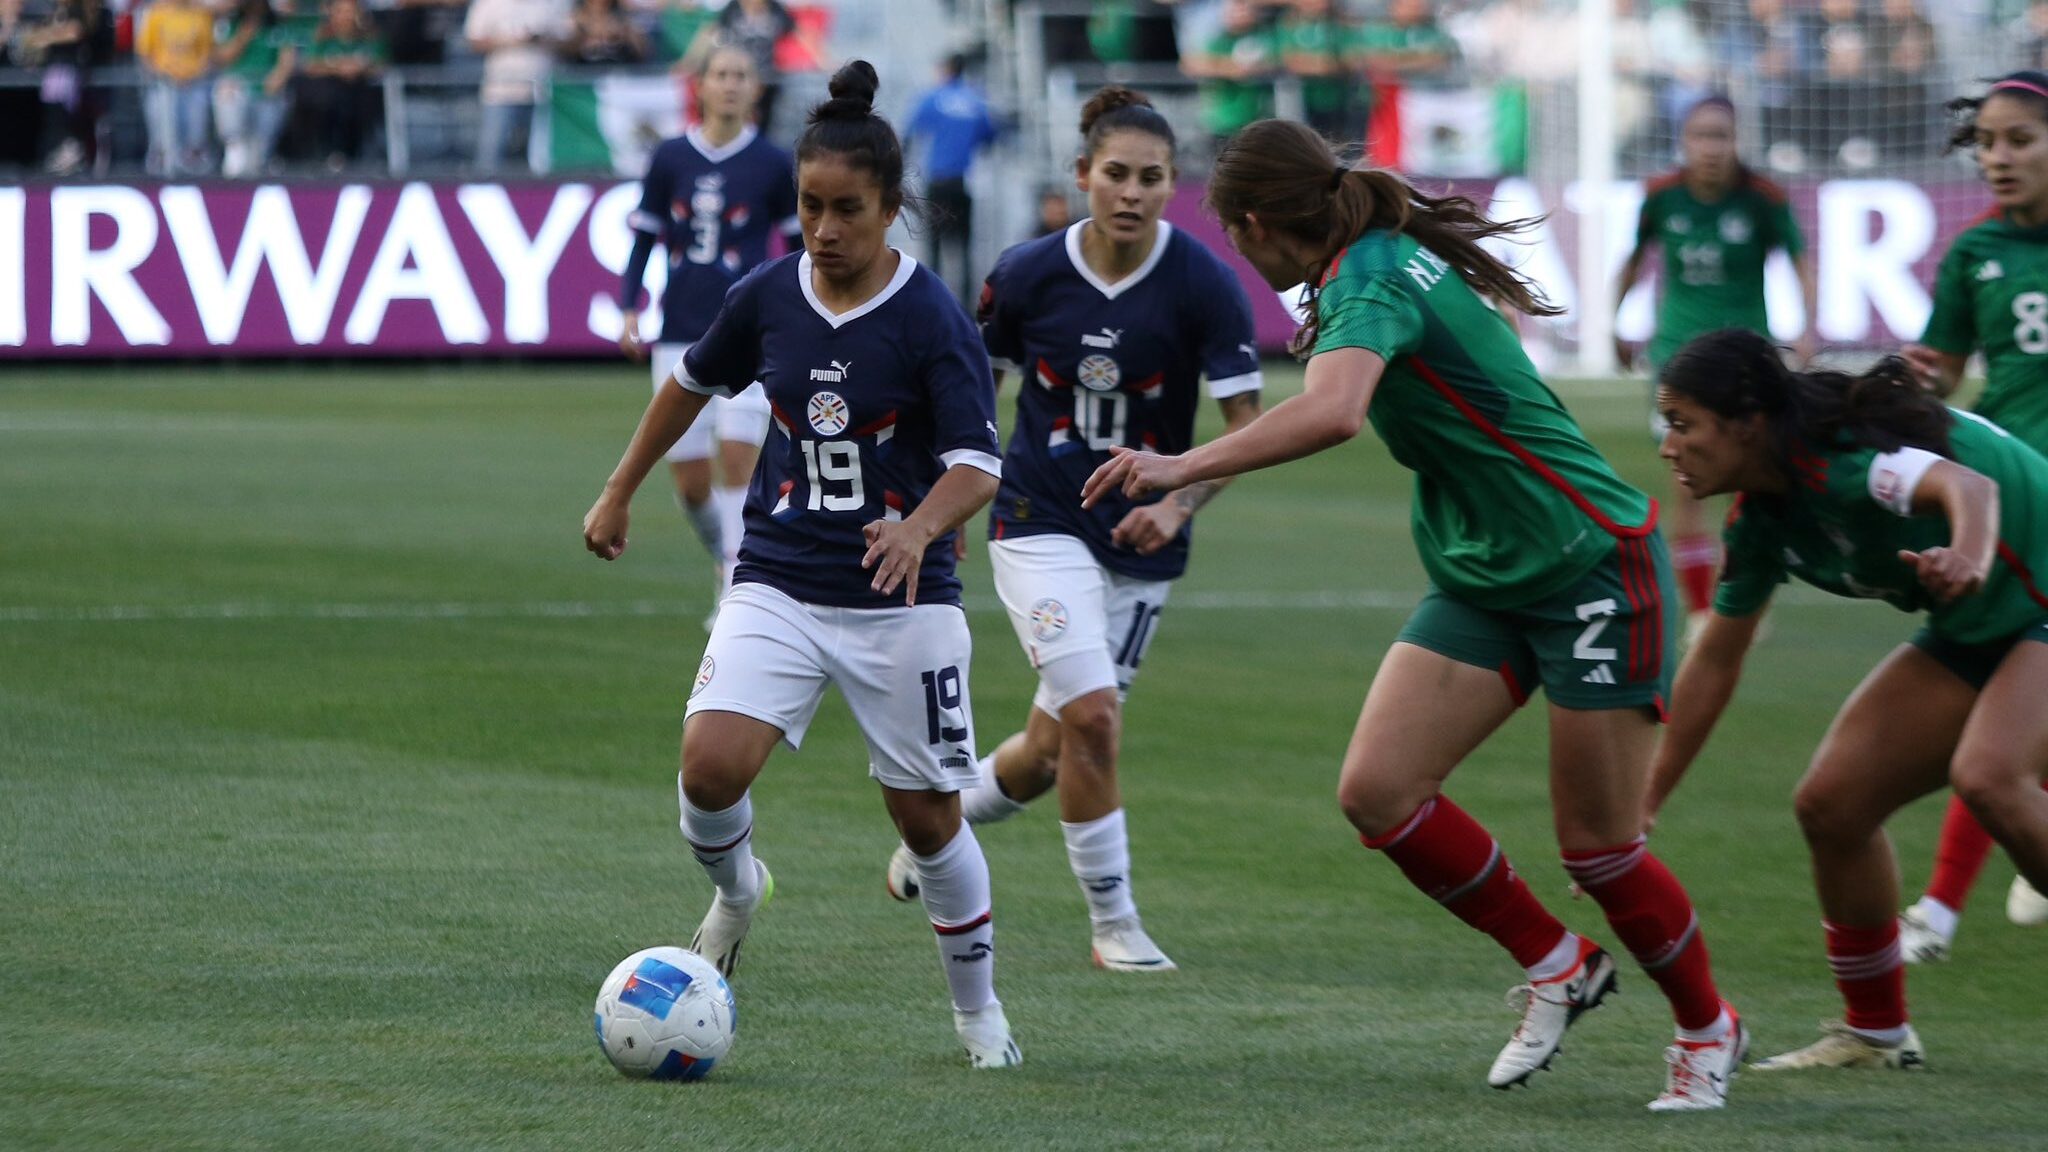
[(1108, 365), (871, 406), (713, 208)]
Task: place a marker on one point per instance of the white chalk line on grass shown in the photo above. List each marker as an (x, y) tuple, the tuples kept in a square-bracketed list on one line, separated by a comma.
[(1324, 600)]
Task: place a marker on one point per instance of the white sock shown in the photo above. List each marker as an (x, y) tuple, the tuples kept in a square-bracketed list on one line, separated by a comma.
[(723, 842), (953, 883), (1711, 1032), (1889, 1037), (731, 504), (1100, 853), (985, 803), (704, 518), (1938, 916), (1557, 961)]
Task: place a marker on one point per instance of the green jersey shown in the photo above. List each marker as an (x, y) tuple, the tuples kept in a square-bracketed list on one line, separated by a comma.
[(1991, 293), (1714, 256), (1322, 39), (1228, 105), (1842, 527), (1511, 503)]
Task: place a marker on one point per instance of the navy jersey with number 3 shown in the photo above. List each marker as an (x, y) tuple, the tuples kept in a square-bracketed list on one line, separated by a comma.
[(871, 406), (713, 208), (1107, 365)]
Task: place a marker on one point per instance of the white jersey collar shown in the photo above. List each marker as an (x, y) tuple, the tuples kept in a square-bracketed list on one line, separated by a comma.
[(1124, 285), (718, 155), (905, 266)]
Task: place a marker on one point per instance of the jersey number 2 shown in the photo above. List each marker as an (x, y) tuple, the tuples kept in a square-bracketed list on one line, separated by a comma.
[(839, 462)]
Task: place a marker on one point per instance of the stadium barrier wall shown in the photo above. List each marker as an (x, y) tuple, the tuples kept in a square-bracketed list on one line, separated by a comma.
[(530, 269)]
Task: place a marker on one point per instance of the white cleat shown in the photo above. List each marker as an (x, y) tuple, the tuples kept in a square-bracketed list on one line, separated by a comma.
[(986, 1034), (1919, 943), (1701, 1071), (1547, 1010), (902, 875), (1840, 1047), (2024, 905), (718, 938), (1123, 946)]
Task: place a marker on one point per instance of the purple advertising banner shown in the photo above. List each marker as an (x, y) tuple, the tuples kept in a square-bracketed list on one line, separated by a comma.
[(531, 269)]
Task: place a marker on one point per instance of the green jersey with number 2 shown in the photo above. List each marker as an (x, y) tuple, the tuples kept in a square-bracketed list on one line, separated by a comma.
[(1511, 503), (1991, 293)]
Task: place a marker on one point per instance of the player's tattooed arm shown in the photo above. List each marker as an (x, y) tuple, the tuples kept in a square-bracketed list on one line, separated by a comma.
[(1238, 411)]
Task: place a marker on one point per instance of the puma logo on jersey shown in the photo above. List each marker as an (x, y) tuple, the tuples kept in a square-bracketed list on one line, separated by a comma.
[(836, 374), (1251, 350), (1990, 270), (1109, 338)]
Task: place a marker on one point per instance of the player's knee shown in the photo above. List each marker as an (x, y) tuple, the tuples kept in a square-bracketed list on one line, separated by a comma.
[(1376, 805), (1991, 780), (1095, 721), (1827, 817), (714, 778), (927, 829)]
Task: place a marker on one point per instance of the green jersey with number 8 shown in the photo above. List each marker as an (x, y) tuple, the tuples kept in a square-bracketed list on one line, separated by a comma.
[(1991, 293), (1511, 503)]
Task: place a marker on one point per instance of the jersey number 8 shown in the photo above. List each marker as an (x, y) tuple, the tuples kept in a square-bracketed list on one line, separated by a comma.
[(837, 461)]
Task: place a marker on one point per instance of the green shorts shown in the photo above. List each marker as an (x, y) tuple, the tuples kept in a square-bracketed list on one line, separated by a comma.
[(1603, 642), (1974, 663)]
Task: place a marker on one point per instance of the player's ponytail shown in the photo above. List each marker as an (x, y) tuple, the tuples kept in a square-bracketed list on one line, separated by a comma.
[(1735, 373), (1287, 175), (846, 126), (2028, 86), (1115, 108)]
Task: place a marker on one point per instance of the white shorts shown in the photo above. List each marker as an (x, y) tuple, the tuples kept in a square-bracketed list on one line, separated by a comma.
[(903, 672), (1084, 627), (743, 419)]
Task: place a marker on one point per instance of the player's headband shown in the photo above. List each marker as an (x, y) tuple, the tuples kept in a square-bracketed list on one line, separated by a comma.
[(2020, 86)]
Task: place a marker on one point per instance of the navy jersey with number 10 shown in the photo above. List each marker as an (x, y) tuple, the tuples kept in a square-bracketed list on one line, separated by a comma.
[(713, 208), (1108, 365), (871, 406)]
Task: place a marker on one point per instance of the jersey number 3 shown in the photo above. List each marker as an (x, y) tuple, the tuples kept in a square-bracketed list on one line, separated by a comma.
[(837, 462)]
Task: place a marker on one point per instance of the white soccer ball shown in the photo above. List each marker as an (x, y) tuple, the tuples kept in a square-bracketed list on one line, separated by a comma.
[(665, 1014)]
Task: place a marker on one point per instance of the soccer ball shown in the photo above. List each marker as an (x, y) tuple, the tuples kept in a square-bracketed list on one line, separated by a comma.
[(665, 1014)]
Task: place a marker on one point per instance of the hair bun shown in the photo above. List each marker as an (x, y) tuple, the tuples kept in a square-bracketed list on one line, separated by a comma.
[(854, 84), (1107, 99)]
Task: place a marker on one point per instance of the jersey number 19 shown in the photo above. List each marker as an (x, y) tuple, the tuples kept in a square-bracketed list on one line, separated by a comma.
[(837, 461)]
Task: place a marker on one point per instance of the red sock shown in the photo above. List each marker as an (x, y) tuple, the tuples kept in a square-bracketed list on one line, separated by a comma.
[(1870, 972), (1697, 561), (1958, 856), (1652, 915), (1458, 864)]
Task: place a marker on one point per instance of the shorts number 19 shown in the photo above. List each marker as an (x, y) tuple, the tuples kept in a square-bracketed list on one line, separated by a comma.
[(942, 695)]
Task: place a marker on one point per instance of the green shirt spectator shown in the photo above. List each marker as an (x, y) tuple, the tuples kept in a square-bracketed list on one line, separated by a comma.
[(1235, 68), (1409, 46)]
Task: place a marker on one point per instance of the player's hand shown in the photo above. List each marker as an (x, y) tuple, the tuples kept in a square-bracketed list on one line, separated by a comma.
[(895, 553), (604, 528), (1805, 349), (1624, 355), (1944, 572), (629, 338), (1926, 365), (1135, 473), (960, 543), (1147, 529)]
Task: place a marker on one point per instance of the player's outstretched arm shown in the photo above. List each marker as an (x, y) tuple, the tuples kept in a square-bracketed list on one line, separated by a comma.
[(1149, 527), (896, 548), (1330, 410), (1706, 682), (1969, 500), (669, 415)]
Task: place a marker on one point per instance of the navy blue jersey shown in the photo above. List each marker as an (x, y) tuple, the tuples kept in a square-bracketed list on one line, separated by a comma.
[(1107, 365), (714, 209), (870, 407)]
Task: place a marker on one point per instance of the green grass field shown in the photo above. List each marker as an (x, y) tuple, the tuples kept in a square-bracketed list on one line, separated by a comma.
[(336, 775)]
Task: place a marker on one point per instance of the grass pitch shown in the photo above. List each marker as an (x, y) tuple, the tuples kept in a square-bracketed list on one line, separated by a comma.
[(336, 776)]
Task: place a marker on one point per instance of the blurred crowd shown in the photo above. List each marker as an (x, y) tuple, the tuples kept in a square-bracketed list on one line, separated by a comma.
[(245, 87)]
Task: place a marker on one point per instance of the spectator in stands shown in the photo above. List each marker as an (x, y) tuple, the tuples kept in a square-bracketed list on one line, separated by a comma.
[(757, 25), (337, 93), (417, 31), (1235, 68), (174, 46), (949, 125), (1663, 69), (20, 110), (517, 39), (1905, 48), (1774, 51), (2028, 34), (1055, 214), (1316, 46), (75, 35), (599, 33), (1845, 94), (251, 95), (1409, 47)]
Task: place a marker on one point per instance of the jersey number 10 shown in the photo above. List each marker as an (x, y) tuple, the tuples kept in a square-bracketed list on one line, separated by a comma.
[(1100, 418)]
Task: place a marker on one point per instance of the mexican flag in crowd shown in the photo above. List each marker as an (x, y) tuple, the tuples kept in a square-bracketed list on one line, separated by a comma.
[(1474, 133), (612, 124)]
